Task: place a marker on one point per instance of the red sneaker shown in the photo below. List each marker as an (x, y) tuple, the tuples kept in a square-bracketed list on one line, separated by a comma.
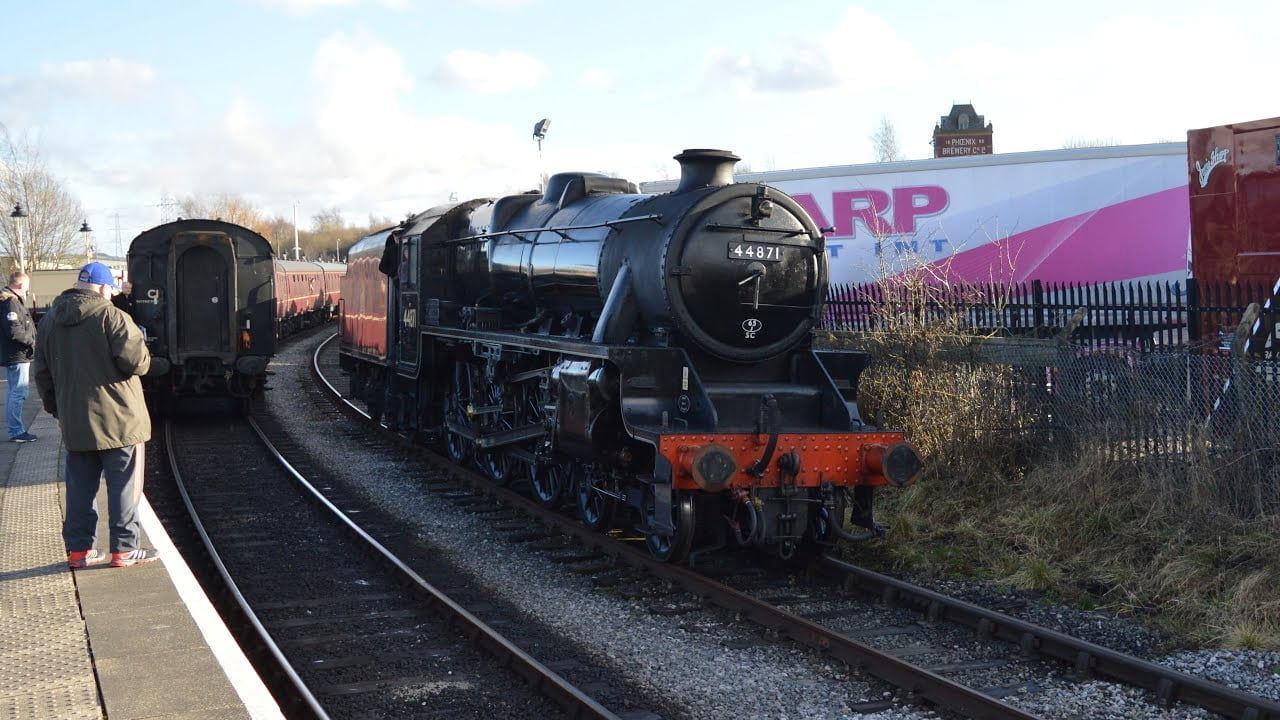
[(77, 559), (134, 557)]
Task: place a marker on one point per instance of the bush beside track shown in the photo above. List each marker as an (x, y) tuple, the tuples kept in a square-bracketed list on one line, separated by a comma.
[(1037, 480)]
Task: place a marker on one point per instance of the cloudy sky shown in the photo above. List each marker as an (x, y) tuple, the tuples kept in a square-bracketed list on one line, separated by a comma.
[(389, 106)]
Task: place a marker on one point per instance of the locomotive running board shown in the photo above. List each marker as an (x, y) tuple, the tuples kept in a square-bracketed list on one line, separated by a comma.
[(569, 346), (498, 439)]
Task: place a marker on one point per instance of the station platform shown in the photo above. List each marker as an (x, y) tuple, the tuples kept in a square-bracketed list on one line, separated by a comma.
[(124, 643)]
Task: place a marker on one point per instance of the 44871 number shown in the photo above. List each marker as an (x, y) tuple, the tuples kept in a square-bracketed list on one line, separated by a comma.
[(755, 251)]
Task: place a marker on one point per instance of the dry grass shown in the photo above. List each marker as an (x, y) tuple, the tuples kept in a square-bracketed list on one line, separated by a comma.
[(1099, 536), (1190, 543)]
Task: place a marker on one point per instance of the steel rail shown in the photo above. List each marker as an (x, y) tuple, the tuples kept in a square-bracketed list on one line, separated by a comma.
[(1087, 658), (1168, 685), (299, 699), (544, 680), (917, 682)]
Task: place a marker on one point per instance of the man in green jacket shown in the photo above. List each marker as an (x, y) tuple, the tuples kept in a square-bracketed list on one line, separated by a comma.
[(89, 355)]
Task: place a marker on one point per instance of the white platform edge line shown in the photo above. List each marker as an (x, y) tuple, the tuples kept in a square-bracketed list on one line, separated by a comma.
[(244, 679)]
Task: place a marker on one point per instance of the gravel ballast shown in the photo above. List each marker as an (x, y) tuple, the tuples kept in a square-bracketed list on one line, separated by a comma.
[(706, 663)]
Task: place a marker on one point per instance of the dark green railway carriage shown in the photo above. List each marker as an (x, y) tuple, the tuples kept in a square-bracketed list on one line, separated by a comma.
[(204, 295)]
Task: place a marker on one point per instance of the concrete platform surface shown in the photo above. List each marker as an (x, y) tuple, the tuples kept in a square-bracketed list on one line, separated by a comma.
[(125, 643)]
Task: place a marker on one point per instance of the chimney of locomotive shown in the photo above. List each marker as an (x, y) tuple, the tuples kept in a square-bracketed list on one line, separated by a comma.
[(705, 168)]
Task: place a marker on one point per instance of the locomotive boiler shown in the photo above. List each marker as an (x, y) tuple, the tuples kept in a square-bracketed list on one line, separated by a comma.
[(649, 355)]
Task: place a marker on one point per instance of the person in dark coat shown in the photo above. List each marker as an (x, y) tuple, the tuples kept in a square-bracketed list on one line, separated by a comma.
[(89, 358), (125, 300), (17, 346)]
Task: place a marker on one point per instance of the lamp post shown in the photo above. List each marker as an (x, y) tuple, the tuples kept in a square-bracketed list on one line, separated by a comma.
[(297, 252), (17, 215), (87, 232)]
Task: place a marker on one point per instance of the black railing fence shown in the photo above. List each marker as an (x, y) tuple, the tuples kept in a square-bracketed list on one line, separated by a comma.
[(1150, 315), (1136, 371)]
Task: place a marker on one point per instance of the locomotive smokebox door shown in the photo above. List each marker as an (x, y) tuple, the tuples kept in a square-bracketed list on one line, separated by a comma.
[(745, 275)]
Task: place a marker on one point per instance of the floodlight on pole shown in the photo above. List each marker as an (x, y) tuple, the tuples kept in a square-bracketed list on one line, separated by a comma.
[(540, 129), (17, 215)]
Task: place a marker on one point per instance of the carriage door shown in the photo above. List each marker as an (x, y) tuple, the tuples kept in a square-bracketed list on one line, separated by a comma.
[(407, 335), (204, 295)]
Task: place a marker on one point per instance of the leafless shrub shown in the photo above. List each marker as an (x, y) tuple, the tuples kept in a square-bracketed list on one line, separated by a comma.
[(1143, 482)]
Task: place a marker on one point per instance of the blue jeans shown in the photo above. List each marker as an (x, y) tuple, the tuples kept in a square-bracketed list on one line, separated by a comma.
[(19, 375), (122, 468)]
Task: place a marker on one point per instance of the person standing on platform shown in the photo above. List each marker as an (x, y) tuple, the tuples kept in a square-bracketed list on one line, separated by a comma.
[(125, 300), (17, 345), (89, 356)]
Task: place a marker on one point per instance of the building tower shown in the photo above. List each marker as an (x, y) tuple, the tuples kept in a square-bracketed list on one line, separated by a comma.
[(962, 132)]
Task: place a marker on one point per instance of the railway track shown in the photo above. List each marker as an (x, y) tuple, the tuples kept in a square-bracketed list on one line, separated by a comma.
[(919, 681), (339, 624), (1086, 659)]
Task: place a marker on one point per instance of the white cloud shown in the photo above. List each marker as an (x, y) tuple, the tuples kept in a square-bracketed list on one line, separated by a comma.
[(1145, 78), (351, 76), (357, 146), (112, 77), (596, 79), (860, 54), (303, 7), (486, 74)]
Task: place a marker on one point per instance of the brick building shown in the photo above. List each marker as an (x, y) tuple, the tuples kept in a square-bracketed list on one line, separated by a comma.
[(962, 132)]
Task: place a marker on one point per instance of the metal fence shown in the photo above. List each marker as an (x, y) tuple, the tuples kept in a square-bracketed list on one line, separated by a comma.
[(1138, 373), (1149, 315)]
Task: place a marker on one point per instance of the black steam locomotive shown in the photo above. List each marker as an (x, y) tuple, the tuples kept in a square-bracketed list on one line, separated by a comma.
[(204, 295), (648, 354)]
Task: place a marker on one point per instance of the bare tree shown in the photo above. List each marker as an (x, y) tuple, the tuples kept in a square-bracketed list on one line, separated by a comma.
[(1075, 143), (53, 215), (227, 207), (328, 231), (329, 237), (328, 220), (885, 142), (279, 232)]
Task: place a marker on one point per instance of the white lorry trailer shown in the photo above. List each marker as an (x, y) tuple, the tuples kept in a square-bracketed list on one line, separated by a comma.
[(1088, 216)]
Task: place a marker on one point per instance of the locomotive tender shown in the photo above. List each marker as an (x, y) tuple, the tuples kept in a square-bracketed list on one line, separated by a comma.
[(646, 353)]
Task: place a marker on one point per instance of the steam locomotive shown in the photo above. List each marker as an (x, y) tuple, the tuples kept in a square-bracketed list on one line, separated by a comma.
[(648, 355)]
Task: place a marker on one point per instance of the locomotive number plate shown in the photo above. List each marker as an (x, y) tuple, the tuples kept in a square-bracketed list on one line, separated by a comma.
[(755, 251)]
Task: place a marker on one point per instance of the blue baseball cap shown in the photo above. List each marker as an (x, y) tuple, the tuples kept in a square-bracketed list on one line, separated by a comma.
[(98, 274)]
